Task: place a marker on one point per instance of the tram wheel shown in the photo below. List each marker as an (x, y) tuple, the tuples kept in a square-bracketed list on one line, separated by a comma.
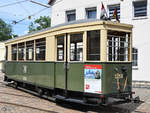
[(15, 85), (40, 91)]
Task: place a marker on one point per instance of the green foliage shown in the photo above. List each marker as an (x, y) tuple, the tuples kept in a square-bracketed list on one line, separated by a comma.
[(40, 23), (5, 31)]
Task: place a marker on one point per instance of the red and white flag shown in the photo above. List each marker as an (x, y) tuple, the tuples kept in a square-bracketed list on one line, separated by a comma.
[(115, 15), (103, 13)]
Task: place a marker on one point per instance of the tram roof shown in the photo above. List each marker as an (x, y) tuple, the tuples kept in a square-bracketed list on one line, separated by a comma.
[(77, 22)]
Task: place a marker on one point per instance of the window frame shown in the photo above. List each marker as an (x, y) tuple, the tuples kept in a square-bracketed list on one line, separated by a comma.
[(70, 12), (69, 51), (21, 53), (114, 6), (40, 53), (63, 48), (6, 54), (28, 47), (16, 56), (135, 55), (91, 9), (133, 10), (118, 46), (99, 46)]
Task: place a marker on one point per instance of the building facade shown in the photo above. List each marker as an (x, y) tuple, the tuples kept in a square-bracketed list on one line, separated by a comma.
[(2, 54), (135, 12)]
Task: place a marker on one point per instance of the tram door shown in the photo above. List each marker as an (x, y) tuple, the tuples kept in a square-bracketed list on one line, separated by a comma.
[(75, 65), (69, 65), (60, 71)]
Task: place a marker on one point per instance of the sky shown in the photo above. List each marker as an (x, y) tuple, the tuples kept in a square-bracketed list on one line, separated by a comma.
[(20, 11)]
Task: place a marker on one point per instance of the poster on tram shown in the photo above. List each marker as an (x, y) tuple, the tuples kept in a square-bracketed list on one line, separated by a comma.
[(92, 78)]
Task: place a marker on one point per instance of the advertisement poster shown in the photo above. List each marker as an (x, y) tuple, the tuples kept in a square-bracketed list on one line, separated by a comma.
[(92, 78)]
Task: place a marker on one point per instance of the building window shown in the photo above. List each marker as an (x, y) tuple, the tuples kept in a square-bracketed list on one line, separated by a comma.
[(21, 51), (76, 47), (118, 46), (91, 13), (93, 45), (60, 48), (71, 15), (140, 8), (134, 57), (40, 49), (111, 10), (6, 55), (14, 52), (30, 50)]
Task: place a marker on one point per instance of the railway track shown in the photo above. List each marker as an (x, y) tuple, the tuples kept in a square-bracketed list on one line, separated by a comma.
[(17, 95), (7, 104), (25, 106), (63, 104)]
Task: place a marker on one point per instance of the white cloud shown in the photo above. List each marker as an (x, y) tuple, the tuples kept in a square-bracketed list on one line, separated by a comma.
[(26, 32)]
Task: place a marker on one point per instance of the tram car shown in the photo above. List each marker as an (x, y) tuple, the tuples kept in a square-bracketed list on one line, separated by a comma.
[(83, 61)]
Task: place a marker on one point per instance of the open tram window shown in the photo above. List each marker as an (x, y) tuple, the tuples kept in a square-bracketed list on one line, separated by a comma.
[(21, 51), (30, 50), (76, 47), (93, 45), (60, 48), (118, 46), (40, 49), (14, 52)]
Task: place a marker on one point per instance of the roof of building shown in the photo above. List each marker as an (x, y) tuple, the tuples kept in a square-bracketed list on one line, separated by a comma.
[(51, 2)]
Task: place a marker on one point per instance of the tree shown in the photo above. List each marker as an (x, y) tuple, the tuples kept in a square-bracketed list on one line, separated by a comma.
[(40, 23), (5, 31)]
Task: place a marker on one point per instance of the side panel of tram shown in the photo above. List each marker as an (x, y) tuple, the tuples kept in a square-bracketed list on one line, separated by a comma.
[(40, 74), (52, 75)]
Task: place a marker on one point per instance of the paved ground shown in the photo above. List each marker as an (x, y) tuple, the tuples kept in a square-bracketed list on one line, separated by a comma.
[(16, 101)]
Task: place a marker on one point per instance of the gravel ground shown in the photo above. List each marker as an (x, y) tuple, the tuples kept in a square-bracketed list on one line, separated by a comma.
[(16, 101)]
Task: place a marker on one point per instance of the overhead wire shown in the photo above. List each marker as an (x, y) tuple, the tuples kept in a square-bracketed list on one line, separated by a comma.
[(23, 8), (14, 3), (29, 17)]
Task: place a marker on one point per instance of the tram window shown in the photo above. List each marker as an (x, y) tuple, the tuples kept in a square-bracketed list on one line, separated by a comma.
[(60, 48), (117, 46), (30, 50), (76, 47), (93, 45), (6, 55), (14, 52), (21, 51), (40, 49)]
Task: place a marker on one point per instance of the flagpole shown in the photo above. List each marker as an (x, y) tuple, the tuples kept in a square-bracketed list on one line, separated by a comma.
[(104, 9)]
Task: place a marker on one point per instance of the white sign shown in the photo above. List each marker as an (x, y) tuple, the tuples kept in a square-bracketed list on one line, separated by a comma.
[(92, 78)]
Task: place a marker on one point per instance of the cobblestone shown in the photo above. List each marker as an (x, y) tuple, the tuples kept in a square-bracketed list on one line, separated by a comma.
[(16, 101)]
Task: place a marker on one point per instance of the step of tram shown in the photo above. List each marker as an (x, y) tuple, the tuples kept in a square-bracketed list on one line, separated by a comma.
[(78, 101)]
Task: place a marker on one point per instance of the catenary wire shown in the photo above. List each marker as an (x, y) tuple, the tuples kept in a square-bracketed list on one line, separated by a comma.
[(22, 6), (14, 3), (36, 13)]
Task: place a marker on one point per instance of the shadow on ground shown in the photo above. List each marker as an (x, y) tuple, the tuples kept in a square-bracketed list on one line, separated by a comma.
[(121, 108)]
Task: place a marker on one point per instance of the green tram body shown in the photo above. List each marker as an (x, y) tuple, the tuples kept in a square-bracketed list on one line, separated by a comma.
[(50, 76)]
